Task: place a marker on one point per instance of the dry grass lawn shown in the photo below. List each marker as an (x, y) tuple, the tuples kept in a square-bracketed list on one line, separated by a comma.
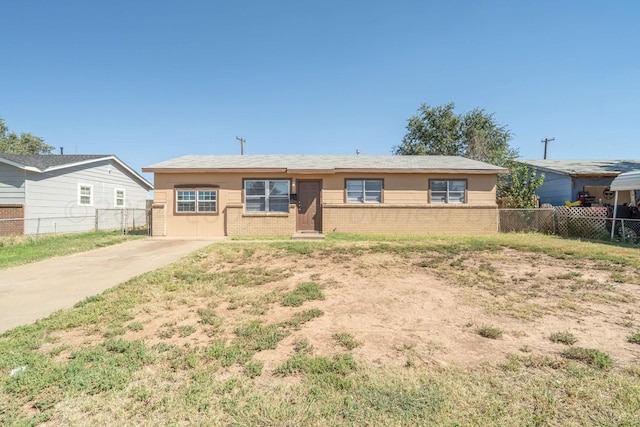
[(462, 331)]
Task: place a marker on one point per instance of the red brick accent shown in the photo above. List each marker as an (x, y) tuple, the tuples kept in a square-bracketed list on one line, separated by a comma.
[(11, 220)]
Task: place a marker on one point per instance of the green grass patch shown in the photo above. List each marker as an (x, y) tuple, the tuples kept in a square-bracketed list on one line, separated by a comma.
[(489, 332), (256, 336), (29, 249), (135, 326), (589, 356), (228, 355), (253, 369), (302, 317), (304, 292), (565, 337), (346, 340), (302, 363), (634, 338)]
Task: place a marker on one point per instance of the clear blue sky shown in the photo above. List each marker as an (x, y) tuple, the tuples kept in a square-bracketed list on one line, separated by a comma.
[(153, 80)]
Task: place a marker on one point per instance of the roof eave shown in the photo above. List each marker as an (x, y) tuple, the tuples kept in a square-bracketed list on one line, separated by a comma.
[(593, 175), (19, 165), (426, 170), (212, 170), (173, 170)]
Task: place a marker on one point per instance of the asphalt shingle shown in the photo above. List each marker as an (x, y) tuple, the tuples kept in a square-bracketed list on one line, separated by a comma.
[(323, 162), (44, 161)]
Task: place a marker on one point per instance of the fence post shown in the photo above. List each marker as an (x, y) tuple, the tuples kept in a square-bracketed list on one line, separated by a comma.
[(149, 213), (96, 224), (38, 230), (125, 215), (555, 221)]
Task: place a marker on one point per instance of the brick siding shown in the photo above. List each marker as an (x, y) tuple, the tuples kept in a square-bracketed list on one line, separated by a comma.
[(241, 224), (14, 213), (159, 219), (431, 219)]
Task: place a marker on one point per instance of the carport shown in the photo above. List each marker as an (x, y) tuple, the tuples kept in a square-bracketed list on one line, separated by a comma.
[(627, 181)]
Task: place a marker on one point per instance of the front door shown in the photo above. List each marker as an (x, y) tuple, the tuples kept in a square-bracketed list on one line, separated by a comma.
[(309, 209)]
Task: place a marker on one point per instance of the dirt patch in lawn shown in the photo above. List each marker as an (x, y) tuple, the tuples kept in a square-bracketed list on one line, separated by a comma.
[(401, 306)]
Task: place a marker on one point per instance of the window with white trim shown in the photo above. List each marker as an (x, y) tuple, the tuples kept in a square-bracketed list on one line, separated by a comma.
[(119, 198), (266, 195), (448, 191), (364, 190), (196, 201), (207, 200), (85, 195)]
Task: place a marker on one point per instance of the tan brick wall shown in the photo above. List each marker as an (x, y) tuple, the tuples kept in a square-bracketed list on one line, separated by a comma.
[(431, 219), (241, 224), (405, 208), (159, 218), (14, 213)]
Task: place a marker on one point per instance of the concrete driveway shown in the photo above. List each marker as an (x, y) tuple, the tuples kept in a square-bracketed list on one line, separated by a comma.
[(34, 291)]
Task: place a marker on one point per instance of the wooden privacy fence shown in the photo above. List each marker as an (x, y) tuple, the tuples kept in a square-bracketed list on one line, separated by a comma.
[(591, 223)]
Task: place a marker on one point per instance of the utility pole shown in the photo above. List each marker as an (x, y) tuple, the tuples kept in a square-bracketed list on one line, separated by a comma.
[(546, 141), (242, 140)]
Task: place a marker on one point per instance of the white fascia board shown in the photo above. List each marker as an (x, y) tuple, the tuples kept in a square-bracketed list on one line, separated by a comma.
[(19, 165)]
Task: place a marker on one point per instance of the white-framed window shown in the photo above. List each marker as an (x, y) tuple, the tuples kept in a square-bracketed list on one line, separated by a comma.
[(196, 201), (364, 190), (207, 200), (85, 195), (119, 198), (266, 195), (448, 191)]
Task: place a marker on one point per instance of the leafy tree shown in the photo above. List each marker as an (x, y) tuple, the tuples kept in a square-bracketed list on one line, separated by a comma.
[(26, 143), (439, 131), (475, 135), (518, 190)]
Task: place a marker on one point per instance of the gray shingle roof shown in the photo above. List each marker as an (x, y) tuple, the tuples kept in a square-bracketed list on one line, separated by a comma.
[(324, 162), (585, 167), (40, 163), (44, 161)]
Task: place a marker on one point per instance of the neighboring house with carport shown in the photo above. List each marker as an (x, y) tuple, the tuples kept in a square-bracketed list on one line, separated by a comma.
[(569, 180), (60, 193), (208, 195)]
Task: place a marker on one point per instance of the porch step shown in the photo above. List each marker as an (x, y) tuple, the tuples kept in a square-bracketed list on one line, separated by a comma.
[(301, 235)]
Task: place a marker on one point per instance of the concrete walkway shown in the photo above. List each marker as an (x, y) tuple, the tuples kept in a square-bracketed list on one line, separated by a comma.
[(34, 291)]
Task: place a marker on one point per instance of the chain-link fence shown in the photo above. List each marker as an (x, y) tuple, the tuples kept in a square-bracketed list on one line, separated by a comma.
[(129, 221), (592, 223)]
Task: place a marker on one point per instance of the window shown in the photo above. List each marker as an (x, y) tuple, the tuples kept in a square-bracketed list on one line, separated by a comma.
[(364, 190), (207, 200), (266, 195), (444, 191), (119, 198), (85, 195), (196, 201)]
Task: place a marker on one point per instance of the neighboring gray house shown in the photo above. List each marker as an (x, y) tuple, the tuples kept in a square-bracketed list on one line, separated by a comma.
[(60, 193), (565, 179)]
